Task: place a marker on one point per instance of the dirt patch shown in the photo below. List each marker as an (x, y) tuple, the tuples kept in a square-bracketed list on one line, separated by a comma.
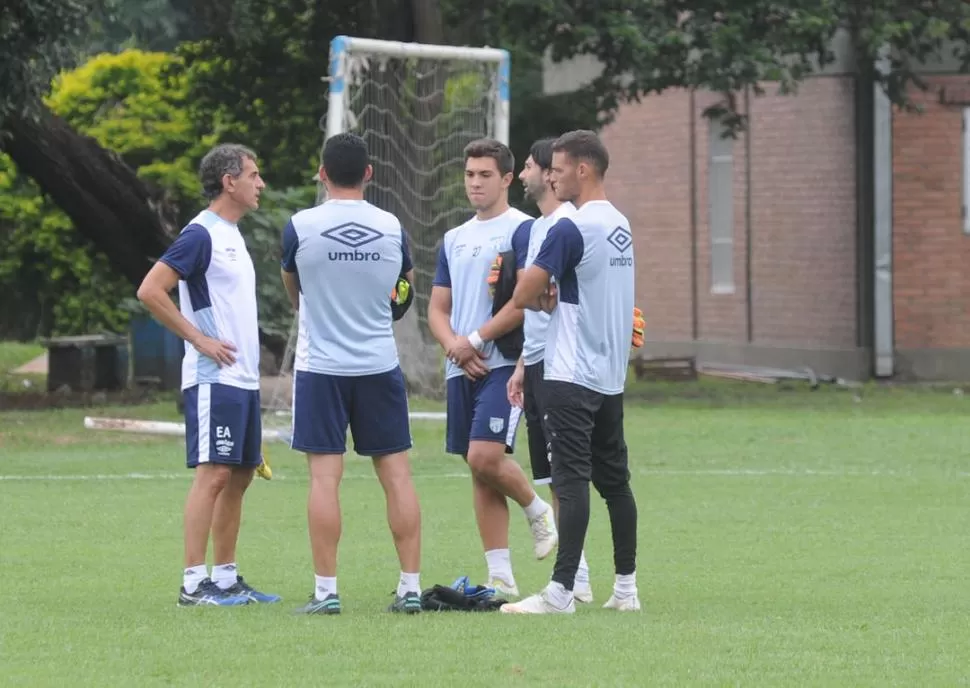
[(36, 367)]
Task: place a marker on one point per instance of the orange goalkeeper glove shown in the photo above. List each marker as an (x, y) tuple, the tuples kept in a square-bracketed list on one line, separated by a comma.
[(494, 272), (638, 325)]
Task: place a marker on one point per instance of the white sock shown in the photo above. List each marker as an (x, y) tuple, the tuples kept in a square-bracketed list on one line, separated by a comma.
[(408, 582), (582, 573), (192, 576), (500, 565), (325, 586), (625, 586), (536, 508), (224, 575), (557, 595)]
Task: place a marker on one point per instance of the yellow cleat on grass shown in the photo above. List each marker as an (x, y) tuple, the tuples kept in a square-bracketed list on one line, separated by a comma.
[(263, 470)]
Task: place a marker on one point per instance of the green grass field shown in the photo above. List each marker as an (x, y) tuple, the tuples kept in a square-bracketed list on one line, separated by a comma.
[(12, 356), (786, 538)]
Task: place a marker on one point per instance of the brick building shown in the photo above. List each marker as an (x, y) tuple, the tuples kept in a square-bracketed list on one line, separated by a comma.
[(832, 234)]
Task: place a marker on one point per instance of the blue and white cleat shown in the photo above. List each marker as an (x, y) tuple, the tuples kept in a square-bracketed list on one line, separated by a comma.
[(244, 589), (210, 594)]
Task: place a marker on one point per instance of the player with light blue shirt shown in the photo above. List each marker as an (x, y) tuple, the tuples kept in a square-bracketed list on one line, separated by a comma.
[(481, 422), (526, 384), (217, 319), (590, 256), (341, 262)]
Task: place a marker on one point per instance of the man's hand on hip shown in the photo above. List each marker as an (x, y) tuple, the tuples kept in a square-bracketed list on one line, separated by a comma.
[(219, 351)]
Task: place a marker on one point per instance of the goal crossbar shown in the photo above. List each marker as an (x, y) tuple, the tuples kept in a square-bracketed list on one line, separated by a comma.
[(431, 51), (341, 47)]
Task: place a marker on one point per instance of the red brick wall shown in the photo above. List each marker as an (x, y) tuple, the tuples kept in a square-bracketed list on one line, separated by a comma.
[(931, 255), (649, 181), (803, 216)]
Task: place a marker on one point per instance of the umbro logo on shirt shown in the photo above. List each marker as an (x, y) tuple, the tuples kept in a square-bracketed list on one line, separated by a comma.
[(353, 235), (621, 240)]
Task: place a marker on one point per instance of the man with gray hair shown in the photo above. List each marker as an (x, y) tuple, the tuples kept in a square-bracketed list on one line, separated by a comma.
[(217, 319)]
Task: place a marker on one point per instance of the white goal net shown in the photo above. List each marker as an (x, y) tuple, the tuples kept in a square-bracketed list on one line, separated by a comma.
[(417, 106)]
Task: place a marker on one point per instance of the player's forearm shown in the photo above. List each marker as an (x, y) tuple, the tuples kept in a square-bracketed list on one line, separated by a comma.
[(528, 295), (291, 282), (161, 306), (506, 320), (439, 323), (527, 301)]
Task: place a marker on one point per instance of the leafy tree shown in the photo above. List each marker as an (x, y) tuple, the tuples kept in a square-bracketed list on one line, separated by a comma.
[(36, 41), (117, 25), (129, 219), (131, 104), (51, 279), (136, 104), (724, 46)]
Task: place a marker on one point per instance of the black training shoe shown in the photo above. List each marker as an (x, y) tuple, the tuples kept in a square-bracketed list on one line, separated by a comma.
[(329, 605), (408, 603), (210, 594)]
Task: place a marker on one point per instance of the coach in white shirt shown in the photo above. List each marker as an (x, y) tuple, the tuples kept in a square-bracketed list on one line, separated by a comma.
[(216, 317)]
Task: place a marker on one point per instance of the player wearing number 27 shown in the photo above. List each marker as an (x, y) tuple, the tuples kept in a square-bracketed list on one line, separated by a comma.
[(481, 423)]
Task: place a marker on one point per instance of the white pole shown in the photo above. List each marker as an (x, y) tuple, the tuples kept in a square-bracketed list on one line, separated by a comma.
[(158, 427), (338, 85), (884, 344), (502, 98)]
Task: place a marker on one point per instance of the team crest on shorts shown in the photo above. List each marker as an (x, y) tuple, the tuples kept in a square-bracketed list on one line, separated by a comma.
[(496, 424)]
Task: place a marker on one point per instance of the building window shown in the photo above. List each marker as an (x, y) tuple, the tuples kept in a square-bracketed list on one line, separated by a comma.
[(966, 170), (720, 189)]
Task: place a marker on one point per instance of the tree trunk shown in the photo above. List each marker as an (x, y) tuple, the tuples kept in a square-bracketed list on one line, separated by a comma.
[(129, 221), (428, 25)]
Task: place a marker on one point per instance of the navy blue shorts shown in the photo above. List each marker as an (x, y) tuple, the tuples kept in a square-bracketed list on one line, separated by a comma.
[(479, 410), (222, 425), (374, 406)]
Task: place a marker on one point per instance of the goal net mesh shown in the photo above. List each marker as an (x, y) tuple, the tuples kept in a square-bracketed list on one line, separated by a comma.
[(416, 115)]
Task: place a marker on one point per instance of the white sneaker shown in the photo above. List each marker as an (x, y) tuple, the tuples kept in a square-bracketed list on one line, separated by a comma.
[(502, 587), (630, 603), (537, 604), (545, 536), (582, 592)]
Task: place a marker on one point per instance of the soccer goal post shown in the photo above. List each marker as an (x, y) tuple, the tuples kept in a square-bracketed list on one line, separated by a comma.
[(417, 106)]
